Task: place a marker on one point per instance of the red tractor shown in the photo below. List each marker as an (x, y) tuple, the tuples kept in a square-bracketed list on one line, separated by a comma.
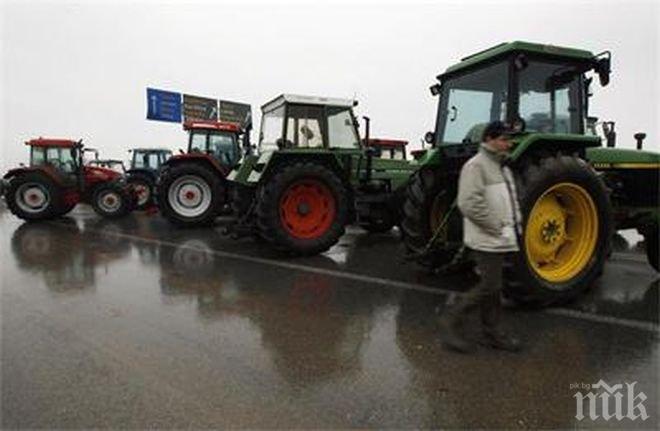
[(56, 180), (192, 189)]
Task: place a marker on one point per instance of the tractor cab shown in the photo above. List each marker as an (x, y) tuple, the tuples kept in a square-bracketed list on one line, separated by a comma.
[(540, 89), (307, 122), (220, 140), (150, 159), (62, 155), (389, 149)]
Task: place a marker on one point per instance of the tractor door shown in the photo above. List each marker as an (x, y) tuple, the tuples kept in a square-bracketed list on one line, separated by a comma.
[(343, 138), (224, 147)]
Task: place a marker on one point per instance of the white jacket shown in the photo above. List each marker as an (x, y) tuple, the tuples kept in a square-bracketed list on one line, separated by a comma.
[(488, 200)]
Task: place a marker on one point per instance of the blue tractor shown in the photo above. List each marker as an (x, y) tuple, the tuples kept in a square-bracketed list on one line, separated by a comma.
[(143, 172)]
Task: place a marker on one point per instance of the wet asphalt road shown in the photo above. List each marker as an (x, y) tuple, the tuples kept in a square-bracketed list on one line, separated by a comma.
[(133, 324)]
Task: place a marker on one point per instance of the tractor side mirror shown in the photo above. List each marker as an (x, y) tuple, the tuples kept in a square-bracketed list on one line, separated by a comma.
[(429, 137), (610, 133), (521, 62), (603, 68), (435, 89)]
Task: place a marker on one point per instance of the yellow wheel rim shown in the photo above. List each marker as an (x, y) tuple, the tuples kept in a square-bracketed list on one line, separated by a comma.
[(561, 232)]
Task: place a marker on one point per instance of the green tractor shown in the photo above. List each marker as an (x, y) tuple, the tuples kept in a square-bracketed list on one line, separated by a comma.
[(633, 176), (543, 92), (314, 176)]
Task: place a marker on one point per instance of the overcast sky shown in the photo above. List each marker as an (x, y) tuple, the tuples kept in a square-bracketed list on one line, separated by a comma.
[(80, 70)]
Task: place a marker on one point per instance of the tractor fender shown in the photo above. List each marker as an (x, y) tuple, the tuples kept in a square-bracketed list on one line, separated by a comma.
[(43, 170), (329, 160), (552, 143), (204, 159)]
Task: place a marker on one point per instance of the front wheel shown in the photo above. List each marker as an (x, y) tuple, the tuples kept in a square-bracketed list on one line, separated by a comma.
[(428, 213), (566, 231), (144, 188), (190, 195), (651, 245), (111, 201)]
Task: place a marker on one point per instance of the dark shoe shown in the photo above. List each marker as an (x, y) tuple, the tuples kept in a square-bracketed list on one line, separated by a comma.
[(501, 341), (451, 338)]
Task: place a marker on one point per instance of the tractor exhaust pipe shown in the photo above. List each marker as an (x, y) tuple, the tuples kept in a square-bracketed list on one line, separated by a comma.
[(369, 150), (610, 134), (639, 137)]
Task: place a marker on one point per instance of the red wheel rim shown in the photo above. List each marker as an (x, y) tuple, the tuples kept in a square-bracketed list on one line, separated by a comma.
[(307, 209)]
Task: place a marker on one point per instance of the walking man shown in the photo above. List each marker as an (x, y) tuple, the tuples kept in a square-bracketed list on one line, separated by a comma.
[(488, 201)]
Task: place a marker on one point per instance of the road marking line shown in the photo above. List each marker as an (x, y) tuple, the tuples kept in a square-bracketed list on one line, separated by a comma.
[(564, 312)]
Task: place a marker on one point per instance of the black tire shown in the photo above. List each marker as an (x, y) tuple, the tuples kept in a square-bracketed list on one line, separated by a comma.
[(651, 245), (65, 209), (270, 222), (139, 181), (112, 200), (45, 186), (208, 184), (428, 198), (522, 282)]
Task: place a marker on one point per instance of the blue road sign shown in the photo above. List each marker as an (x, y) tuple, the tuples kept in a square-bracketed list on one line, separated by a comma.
[(163, 105)]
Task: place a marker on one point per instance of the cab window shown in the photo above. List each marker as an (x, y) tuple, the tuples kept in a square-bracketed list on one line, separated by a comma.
[(198, 142), (545, 107), (38, 156), (223, 147), (341, 129), (304, 127), (471, 101), (272, 124)]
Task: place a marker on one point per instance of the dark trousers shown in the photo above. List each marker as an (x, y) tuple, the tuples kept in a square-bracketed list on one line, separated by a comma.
[(486, 294)]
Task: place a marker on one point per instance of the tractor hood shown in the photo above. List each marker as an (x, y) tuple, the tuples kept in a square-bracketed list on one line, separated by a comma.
[(101, 174), (622, 156)]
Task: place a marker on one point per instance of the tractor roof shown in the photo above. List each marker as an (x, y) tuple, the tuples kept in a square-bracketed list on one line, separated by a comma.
[(389, 143), (307, 100), (102, 161), (51, 142), (503, 49), (152, 150), (212, 125)]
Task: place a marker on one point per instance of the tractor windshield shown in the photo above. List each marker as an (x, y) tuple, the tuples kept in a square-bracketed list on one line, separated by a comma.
[(223, 146), (548, 104), (146, 160), (59, 158), (469, 102), (272, 128)]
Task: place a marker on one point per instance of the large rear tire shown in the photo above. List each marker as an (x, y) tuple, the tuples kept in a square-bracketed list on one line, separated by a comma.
[(111, 200), (651, 245), (566, 231), (190, 195), (34, 196), (302, 209), (145, 188), (428, 199)]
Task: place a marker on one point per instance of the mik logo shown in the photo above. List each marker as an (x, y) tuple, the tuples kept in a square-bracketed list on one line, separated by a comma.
[(610, 402)]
